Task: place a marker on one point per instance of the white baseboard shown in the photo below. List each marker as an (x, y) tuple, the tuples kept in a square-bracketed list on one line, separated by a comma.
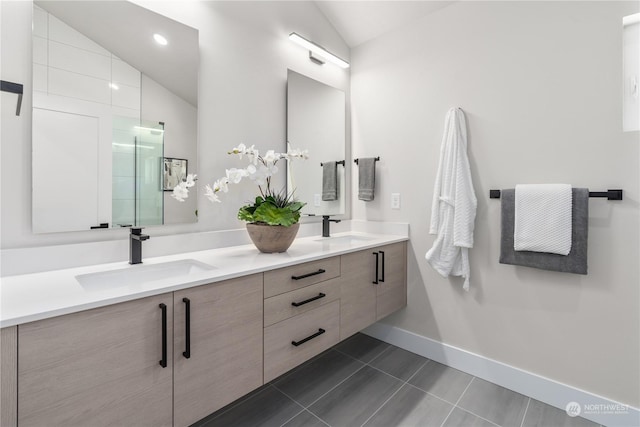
[(593, 407)]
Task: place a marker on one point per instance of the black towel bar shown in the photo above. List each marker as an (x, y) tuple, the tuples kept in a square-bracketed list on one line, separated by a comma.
[(609, 194), (340, 162), (375, 158)]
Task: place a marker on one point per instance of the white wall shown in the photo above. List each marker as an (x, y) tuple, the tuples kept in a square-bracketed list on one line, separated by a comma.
[(244, 57), (541, 86)]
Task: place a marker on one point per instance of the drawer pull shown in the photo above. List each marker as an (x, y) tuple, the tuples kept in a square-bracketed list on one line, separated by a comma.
[(382, 253), (298, 304), (163, 361), (310, 337), (304, 276)]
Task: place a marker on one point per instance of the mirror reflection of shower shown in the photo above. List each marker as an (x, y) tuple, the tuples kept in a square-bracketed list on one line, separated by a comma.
[(137, 149)]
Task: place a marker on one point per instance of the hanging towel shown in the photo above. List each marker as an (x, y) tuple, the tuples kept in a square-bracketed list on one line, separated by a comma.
[(329, 181), (366, 178), (453, 210), (543, 218), (575, 262)]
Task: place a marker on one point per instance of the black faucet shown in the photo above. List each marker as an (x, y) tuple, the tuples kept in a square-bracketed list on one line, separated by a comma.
[(135, 245), (325, 225)]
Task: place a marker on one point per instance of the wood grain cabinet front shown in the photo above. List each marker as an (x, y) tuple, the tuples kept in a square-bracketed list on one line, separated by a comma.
[(297, 339), (218, 346), (373, 285), (107, 366), (8, 377)]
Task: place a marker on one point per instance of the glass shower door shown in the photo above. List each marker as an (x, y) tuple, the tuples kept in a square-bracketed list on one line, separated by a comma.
[(149, 151)]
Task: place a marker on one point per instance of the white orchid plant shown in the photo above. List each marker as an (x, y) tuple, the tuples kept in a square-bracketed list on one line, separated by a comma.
[(270, 207)]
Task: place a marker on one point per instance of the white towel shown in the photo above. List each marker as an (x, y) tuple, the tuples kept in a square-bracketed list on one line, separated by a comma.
[(543, 218), (453, 210)]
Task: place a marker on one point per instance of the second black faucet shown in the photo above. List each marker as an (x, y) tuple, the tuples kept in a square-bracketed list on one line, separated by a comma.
[(325, 225)]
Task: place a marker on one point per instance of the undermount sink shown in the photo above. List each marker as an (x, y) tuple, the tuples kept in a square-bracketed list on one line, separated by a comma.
[(139, 274), (345, 239)]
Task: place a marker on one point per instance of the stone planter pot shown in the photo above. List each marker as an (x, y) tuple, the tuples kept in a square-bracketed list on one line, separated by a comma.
[(272, 238)]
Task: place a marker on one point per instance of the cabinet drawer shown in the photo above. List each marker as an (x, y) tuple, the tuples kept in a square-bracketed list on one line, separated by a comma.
[(280, 307), (280, 354), (297, 276)]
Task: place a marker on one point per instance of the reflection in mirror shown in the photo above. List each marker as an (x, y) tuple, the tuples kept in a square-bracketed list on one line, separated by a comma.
[(316, 116), (109, 104)]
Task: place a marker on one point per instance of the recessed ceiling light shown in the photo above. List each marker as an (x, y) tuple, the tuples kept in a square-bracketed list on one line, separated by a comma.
[(160, 39), (114, 86)]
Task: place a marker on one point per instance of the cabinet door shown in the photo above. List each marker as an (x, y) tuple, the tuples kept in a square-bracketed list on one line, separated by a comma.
[(225, 351), (8, 377), (392, 286), (98, 367), (357, 292)]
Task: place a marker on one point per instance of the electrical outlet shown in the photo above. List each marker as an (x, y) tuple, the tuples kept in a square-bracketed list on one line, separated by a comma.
[(316, 200), (395, 200)]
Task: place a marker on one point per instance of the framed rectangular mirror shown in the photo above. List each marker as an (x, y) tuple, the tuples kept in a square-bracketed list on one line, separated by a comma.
[(115, 91), (316, 121)]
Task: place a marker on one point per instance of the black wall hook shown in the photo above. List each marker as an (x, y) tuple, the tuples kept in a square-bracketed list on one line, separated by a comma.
[(16, 88)]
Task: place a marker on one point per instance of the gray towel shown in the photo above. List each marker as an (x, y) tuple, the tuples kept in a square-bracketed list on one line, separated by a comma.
[(366, 178), (575, 262), (329, 181)]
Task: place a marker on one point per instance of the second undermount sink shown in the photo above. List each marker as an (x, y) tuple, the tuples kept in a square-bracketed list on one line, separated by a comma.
[(140, 274), (347, 239)]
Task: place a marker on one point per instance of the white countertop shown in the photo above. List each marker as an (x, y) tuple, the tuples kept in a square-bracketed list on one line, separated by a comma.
[(30, 297)]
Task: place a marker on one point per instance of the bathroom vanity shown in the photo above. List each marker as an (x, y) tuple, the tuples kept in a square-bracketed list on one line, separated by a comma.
[(176, 350)]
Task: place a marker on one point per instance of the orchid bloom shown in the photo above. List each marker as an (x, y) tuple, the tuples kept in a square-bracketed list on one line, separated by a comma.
[(260, 170)]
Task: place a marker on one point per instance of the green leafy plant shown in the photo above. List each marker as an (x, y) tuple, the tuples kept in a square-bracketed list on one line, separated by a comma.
[(274, 209)]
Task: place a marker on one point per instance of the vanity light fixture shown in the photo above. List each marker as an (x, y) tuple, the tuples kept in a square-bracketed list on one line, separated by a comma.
[(316, 51), (161, 40)]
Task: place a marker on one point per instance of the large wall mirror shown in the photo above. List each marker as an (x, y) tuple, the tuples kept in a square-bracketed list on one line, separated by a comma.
[(316, 120), (115, 96)]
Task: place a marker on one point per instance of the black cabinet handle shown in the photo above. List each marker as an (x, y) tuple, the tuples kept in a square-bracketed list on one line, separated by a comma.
[(304, 276), (187, 332), (377, 255), (310, 337), (163, 361), (382, 253), (298, 304)]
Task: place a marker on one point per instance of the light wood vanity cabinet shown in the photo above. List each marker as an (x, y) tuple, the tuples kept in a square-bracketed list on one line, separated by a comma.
[(223, 359), (174, 358), (301, 314), (115, 366), (99, 367), (373, 285), (9, 377)]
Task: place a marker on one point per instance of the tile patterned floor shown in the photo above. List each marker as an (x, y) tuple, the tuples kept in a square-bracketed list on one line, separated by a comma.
[(366, 382)]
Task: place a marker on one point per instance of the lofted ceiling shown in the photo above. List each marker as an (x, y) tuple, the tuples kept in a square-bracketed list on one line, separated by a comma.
[(126, 30), (361, 21)]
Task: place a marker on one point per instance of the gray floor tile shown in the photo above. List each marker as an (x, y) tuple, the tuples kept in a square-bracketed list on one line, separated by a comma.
[(442, 381), (308, 382), (399, 363), (542, 415), (411, 407), (362, 347), (305, 419), (356, 399), (494, 403), (460, 418), (267, 408)]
